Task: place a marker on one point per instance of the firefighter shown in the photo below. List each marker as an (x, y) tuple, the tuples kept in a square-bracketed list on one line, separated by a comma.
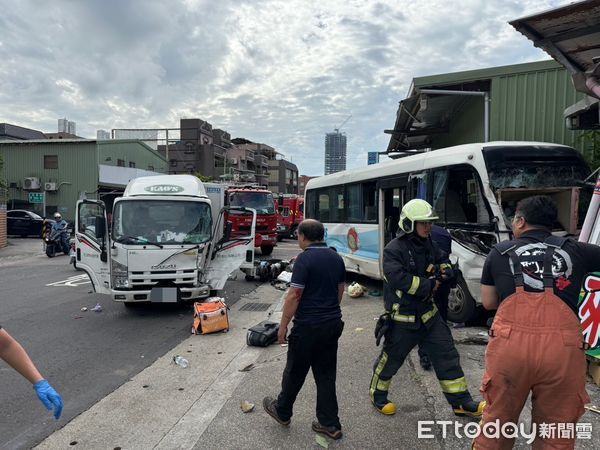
[(410, 264)]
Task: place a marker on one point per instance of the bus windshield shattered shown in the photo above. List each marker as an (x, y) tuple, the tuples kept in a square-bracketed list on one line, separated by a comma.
[(138, 222)]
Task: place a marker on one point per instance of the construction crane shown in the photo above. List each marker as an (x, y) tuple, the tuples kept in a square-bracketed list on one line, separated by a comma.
[(337, 129)]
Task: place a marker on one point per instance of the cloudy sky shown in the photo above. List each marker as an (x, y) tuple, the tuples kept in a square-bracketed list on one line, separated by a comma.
[(279, 72)]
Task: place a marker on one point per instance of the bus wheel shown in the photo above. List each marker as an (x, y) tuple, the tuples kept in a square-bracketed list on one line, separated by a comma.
[(266, 250), (461, 305), (294, 233)]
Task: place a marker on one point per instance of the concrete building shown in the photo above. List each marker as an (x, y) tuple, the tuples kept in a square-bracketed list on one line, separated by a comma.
[(252, 157), (66, 170), (302, 180), (66, 126), (335, 152), (102, 135), (200, 150)]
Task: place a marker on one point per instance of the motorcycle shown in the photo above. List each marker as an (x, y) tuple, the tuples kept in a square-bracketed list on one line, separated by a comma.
[(57, 241)]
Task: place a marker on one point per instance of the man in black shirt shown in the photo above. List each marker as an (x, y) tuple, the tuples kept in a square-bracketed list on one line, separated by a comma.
[(313, 300), (536, 344)]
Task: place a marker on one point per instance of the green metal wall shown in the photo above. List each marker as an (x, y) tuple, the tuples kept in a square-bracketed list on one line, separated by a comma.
[(527, 102), (143, 156), (529, 106), (76, 165)]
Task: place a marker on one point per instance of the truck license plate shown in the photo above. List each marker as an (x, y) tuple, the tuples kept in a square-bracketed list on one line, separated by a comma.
[(163, 295)]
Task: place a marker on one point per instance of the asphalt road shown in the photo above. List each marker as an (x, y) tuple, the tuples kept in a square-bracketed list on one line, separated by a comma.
[(85, 355)]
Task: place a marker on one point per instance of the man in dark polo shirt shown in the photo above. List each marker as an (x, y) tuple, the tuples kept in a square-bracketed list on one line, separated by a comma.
[(313, 301)]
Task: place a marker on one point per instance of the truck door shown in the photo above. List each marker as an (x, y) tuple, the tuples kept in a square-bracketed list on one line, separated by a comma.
[(92, 243), (228, 254)]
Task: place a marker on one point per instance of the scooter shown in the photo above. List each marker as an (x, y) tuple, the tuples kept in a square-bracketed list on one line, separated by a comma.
[(57, 241)]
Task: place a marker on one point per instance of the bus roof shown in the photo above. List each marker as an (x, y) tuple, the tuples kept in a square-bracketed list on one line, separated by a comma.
[(461, 154)]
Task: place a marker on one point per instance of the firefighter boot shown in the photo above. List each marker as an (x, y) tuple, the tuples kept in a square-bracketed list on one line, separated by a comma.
[(470, 408), (383, 405)]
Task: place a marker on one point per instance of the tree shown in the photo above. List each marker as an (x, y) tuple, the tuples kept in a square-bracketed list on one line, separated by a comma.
[(204, 178), (590, 142)]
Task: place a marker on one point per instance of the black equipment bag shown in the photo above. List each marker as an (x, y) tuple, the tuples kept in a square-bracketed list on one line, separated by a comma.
[(263, 334)]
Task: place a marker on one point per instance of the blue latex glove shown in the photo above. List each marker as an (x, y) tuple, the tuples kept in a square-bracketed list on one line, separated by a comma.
[(49, 397)]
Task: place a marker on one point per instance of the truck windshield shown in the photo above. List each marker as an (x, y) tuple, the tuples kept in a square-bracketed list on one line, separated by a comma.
[(161, 221), (261, 201)]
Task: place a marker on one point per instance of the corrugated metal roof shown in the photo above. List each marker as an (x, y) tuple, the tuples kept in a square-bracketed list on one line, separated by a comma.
[(570, 34)]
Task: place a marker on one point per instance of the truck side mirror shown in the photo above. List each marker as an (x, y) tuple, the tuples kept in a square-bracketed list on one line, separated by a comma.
[(228, 228), (100, 231), (99, 227)]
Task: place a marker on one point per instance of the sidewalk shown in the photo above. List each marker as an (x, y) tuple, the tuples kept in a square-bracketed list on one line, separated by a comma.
[(168, 407), (21, 248)]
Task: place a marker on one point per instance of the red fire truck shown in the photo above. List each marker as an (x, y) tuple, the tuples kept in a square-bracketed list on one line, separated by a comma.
[(290, 212), (261, 200)]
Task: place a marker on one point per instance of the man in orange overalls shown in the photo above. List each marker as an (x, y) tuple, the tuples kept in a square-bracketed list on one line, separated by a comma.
[(536, 343)]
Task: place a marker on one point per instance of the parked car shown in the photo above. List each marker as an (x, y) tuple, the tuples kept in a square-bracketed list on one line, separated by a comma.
[(24, 223)]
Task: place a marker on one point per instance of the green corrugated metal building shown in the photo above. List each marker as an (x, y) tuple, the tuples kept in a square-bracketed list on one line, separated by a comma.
[(67, 170), (525, 103)]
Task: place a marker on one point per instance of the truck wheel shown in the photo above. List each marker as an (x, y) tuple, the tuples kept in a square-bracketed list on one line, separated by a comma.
[(461, 305), (279, 238), (294, 233), (266, 249)]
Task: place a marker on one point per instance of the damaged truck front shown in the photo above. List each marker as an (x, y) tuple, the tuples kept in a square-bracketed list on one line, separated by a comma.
[(166, 242)]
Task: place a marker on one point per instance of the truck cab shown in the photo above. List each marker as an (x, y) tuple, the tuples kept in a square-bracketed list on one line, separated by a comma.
[(290, 212), (166, 242), (240, 197)]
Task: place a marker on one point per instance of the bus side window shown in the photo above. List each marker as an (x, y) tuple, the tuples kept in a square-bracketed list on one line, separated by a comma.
[(370, 202), (323, 210)]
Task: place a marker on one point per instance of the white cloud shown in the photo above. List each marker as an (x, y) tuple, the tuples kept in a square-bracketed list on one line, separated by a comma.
[(279, 72)]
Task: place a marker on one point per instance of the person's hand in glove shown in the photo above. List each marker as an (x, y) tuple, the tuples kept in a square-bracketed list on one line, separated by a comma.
[(448, 273), (49, 397)]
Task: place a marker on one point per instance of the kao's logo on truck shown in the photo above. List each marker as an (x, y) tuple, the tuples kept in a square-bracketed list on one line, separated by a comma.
[(163, 189)]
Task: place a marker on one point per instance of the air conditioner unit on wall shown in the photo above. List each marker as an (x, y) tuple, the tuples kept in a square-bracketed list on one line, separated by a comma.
[(31, 183), (48, 186)]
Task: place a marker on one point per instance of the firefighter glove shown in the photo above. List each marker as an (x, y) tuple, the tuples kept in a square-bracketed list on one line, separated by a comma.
[(381, 327)]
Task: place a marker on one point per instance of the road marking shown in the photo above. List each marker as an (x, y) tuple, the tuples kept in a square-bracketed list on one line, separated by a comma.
[(74, 281)]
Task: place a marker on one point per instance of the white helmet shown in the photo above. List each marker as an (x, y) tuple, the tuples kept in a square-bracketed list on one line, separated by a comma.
[(57, 216)]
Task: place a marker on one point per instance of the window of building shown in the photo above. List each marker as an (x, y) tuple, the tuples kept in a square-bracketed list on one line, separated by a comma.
[(121, 162), (189, 147), (151, 168), (173, 162), (131, 164), (50, 161)]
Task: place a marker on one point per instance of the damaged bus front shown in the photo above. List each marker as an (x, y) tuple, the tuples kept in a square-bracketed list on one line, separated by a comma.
[(473, 188)]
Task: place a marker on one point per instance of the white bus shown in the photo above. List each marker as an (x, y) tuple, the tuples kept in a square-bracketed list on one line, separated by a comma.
[(473, 188)]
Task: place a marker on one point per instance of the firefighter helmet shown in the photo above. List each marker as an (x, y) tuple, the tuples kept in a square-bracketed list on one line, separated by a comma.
[(416, 210)]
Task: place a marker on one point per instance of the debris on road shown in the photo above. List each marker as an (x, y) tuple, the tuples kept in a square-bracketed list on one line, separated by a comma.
[(246, 406), (180, 361), (248, 368), (356, 290), (472, 339), (84, 309), (97, 308), (321, 441), (592, 408)]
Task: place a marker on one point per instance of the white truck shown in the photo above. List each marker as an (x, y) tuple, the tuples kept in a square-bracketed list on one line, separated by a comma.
[(165, 242)]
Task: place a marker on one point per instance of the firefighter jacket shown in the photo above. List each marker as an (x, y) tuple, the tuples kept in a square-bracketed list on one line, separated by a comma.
[(409, 262)]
